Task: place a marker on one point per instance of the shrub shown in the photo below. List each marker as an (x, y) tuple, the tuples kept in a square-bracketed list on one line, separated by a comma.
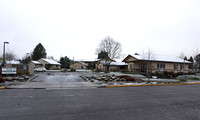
[(2, 79), (23, 73), (73, 70)]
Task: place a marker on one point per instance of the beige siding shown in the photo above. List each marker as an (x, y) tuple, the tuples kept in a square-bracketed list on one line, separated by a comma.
[(43, 62), (78, 65), (169, 67)]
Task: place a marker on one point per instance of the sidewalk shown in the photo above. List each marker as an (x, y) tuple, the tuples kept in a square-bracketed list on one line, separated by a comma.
[(44, 85)]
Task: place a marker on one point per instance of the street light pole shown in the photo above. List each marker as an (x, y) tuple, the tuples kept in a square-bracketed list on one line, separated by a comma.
[(4, 56), (27, 58)]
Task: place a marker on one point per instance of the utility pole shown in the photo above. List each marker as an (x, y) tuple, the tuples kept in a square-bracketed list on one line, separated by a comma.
[(26, 58), (4, 56), (184, 69)]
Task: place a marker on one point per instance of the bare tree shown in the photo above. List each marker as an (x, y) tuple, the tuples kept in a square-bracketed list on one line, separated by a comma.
[(26, 60), (182, 55), (149, 56), (111, 47), (10, 56)]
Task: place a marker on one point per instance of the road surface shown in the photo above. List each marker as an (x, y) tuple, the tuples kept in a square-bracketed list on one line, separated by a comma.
[(129, 103)]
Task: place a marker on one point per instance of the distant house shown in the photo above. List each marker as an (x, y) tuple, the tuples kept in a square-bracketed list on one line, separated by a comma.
[(90, 62), (50, 64), (159, 63), (78, 65), (114, 66), (33, 65)]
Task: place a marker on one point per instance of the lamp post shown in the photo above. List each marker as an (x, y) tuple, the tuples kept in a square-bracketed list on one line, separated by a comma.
[(27, 54), (4, 53)]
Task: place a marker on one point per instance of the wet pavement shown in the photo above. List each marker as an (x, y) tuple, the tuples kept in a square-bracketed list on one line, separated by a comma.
[(58, 77), (55, 80), (128, 103)]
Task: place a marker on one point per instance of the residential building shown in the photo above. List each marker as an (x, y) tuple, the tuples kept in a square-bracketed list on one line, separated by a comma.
[(159, 63), (33, 65), (114, 66), (78, 65), (50, 64), (91, 63)]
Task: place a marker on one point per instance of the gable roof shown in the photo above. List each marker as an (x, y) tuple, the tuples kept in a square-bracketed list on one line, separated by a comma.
[(159, 58), (35, 62), (50, 61)]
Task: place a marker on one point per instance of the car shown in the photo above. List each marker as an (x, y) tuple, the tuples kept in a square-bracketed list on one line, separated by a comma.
[(40, 69)]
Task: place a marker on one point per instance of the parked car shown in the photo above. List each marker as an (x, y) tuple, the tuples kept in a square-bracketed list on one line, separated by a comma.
[(40, 69)]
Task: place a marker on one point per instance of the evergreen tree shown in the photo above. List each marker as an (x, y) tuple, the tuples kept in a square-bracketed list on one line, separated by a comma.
[(26, 60), (192, 62), (185, 58), (103, 55), (39, 52), (65, 62)]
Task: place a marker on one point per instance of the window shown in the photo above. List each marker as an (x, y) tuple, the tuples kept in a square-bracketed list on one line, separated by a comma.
[(161, 66), (182, 68), (175, 67)]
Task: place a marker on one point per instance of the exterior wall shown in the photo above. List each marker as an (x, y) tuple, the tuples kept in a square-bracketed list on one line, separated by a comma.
[(100, 66), (111, 68), (114, 68), (91, 65), (52, 67), (31, 68), (134, 66), (43, 62), (169, 67), (78, 65), (35, 65), (22, 69)]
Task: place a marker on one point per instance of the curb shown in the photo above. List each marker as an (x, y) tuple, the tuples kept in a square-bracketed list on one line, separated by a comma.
[(2, 87), (84, 78), (110, 86), (32, 78)]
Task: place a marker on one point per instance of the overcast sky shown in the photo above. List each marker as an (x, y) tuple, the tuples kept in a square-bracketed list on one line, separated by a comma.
[(74, 28)]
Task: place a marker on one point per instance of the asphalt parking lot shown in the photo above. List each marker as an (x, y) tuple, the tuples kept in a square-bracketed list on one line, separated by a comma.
[(58, 77)]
